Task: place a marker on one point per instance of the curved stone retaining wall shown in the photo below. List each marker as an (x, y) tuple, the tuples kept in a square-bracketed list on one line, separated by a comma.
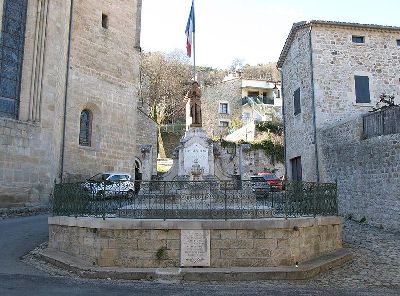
[(157, 243)]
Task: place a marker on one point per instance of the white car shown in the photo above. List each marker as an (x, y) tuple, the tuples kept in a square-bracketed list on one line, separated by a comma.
[(109, 184)]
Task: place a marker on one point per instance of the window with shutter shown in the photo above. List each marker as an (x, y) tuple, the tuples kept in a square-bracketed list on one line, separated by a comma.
[(362, 89), (296, 169)]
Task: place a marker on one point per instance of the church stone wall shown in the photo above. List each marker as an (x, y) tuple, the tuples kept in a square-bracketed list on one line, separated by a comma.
[(30, 146), (103, 79)]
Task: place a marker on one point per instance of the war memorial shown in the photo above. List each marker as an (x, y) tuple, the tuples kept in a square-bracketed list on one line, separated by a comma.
[(195, 226)]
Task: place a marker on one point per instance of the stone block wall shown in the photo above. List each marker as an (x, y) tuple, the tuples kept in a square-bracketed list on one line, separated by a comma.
[(146, 144), (104, 79), (168, 142), (30, 146), (225, 92), (336, 59), (235, 243), (367, 172), (299, 130), (322, 60), (26, 173)]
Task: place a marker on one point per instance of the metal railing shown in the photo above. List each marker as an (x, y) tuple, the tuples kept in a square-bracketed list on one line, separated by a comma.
[(194, 200), (383, 122), (173, 128)]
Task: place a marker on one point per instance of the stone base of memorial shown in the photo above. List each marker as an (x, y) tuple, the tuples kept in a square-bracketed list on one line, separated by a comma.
[(122, 242)]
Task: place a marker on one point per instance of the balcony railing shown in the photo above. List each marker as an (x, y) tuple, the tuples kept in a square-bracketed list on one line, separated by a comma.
[(383, 122)]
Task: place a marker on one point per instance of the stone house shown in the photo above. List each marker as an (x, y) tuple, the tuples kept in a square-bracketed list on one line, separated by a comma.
[(69, 87), (333, 73), (237, 99)]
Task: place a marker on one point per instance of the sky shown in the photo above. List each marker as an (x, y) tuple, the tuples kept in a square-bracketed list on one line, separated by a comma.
[(251, 30)]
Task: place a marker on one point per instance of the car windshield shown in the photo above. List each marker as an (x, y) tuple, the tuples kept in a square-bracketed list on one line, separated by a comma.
[(257, 179), (270, 177), (99, 177)]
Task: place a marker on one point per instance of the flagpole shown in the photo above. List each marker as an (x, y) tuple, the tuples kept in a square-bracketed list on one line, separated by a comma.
[(194, 57), (194, 47)]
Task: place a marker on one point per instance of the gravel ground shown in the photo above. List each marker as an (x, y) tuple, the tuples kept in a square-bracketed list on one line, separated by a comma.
[(23, 211)]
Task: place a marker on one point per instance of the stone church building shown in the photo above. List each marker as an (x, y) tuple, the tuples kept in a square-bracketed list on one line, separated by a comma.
[(69, 85)]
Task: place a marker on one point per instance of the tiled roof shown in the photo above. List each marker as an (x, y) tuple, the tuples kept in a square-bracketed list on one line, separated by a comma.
[(304, 24)]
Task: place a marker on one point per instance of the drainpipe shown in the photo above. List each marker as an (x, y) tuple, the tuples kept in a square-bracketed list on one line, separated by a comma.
[(66, 91), (284, 125), (313, 108)]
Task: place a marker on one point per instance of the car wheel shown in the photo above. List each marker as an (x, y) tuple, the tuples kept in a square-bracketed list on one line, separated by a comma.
[(130, 193), (100, 194)]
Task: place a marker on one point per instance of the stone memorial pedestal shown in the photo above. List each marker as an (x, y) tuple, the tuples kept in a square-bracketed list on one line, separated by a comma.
[(195, 148)]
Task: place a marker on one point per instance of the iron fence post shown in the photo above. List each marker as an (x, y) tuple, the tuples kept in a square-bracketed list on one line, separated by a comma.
[(314, 200), (285, 203), (103, 201), (165, 213), (336, 198), (225, 197)]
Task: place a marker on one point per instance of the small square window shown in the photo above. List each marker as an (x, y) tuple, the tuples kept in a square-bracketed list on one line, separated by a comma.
[(223, 108), (223, 123), (104, 21), (398, 43), (358, 39)]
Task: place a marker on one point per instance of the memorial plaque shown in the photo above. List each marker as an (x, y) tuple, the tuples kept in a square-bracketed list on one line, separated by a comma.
[(195, 152), (195, 248)]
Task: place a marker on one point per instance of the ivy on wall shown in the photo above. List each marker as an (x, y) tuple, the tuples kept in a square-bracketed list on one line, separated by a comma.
[(272, 127), (273, 150)]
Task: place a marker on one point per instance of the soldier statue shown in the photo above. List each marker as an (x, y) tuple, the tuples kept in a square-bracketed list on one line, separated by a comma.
[(194, 95)]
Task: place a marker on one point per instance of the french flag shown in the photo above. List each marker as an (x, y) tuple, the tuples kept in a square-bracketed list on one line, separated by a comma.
[(189, 31)]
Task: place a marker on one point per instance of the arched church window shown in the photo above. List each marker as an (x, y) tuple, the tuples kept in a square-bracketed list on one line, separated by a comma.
[(12, 35), (85, 128)]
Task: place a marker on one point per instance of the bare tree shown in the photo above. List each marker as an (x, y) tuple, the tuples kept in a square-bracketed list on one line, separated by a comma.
[(208, 76), (164, 81), (267, 72), (236, 64)]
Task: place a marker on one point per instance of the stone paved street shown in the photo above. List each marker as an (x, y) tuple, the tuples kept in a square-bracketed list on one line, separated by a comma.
[(374, 271), (376, 259)]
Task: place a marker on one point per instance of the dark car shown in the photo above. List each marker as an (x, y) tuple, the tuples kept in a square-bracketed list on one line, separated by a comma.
[(259, 186), (272, 180)]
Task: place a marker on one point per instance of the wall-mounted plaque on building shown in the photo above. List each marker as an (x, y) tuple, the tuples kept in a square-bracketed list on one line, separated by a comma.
[(195, 248)]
